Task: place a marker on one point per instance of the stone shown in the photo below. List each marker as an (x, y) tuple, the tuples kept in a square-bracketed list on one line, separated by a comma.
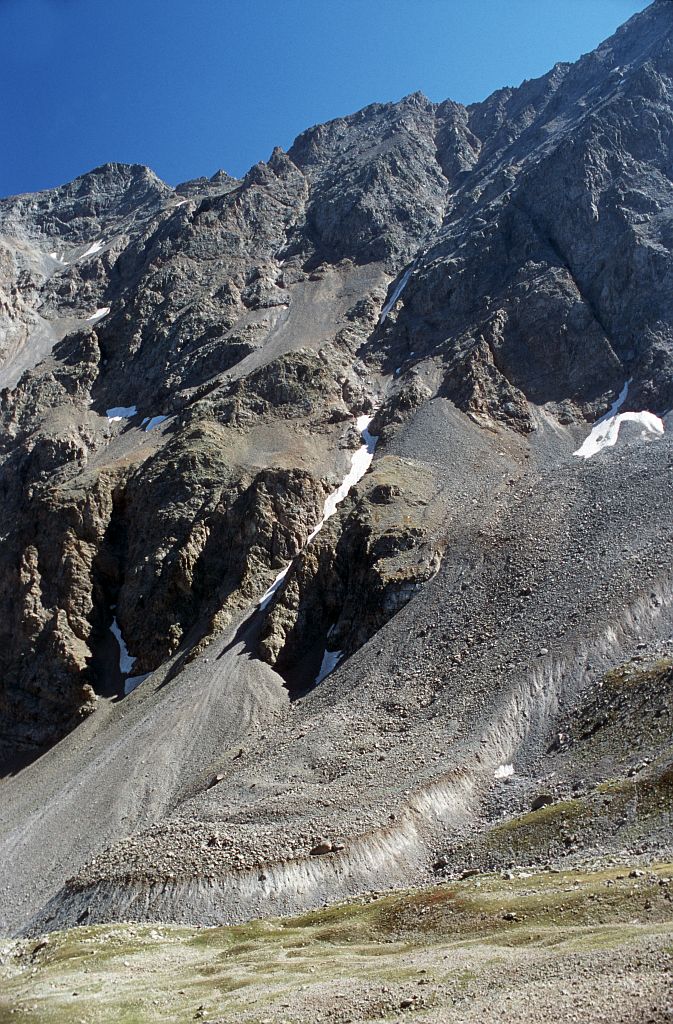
[(543, 800), (321, 848)]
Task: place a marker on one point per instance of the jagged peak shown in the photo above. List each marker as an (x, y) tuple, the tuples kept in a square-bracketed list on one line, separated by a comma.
[(416, 99), (115, 168), (221, 176), (123, 174), (307, 147)]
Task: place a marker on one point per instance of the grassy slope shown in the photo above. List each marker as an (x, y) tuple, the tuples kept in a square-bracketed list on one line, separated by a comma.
[(467, 948)]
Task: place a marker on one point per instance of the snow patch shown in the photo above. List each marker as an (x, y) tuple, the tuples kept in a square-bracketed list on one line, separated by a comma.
[(153, 422), (121, 412), (126, 662), (396, 294), (330, 660), (133, 681), (93, 248), (98, 315), (605, 431), (505, 771), (267, 596), (360, 463)]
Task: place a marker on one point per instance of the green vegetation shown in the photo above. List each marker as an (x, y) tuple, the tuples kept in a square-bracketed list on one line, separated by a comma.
[(632, 674), (132, 974)]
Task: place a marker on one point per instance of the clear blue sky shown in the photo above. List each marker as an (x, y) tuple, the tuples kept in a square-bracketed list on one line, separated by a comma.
[(189, 86)]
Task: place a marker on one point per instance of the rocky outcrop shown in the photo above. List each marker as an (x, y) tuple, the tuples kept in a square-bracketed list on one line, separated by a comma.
[(55, 255), (548, 251), (379, 187), (51, 608), (212, 545), (359, 571)]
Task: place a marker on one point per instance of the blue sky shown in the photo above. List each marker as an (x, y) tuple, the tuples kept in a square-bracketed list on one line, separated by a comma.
[(189, 86)]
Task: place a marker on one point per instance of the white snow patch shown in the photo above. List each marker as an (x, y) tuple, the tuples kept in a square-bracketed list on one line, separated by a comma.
[(93, 248), (132, 681), (121, 412), (605, 431), (180, 202), (360, 463), (266, 597), (650, 423), (98, 315), (330, 660), (126, 662), (505, 771), (396, 294), (154, 422)]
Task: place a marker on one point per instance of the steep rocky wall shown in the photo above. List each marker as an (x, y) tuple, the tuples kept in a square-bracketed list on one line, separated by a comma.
[(363, 566), (511, 259)]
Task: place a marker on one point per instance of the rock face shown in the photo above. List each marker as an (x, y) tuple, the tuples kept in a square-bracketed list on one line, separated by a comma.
[(183, 371)]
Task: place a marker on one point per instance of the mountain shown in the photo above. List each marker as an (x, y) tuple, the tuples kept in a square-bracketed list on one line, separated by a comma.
[(336, 529)]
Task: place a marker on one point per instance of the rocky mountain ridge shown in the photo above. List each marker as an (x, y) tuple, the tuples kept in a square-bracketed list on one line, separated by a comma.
[(183, 372)]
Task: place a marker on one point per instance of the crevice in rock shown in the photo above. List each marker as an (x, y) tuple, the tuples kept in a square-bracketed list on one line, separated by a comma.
[(106, 581)]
